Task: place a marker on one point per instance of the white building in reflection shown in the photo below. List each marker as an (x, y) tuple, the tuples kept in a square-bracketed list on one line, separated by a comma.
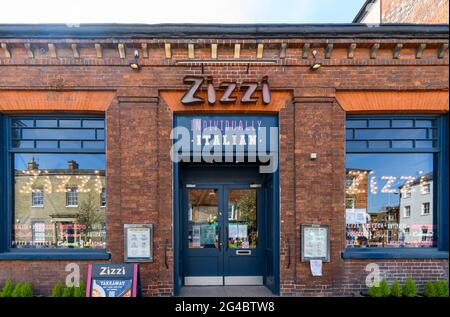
[(416, 212)]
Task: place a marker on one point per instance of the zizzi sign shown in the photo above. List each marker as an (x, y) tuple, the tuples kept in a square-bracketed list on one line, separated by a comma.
[(249, 96)]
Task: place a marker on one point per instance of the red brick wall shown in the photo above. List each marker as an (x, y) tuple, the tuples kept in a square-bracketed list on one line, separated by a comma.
[(312, 190), (421, 270), (41, 274), (414, 11), (139, 170)]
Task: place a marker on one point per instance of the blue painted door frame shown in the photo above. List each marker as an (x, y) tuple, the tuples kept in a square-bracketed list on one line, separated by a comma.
[(270, 200), (224, 261)]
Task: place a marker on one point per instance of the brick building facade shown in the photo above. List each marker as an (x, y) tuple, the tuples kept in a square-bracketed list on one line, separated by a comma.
[(85, 70), (404, 11)]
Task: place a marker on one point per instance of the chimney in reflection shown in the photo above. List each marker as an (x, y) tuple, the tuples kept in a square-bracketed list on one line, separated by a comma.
[(32, 165), (72, 165)]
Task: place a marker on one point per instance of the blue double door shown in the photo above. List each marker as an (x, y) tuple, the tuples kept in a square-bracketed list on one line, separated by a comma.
[(223, 233)]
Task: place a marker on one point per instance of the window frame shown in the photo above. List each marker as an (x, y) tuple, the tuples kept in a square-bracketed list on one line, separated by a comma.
[(6, 213), (440, 199), (33, 196), (428, 191), (407, 208), (423, 213), (73, 190), (103, 198)]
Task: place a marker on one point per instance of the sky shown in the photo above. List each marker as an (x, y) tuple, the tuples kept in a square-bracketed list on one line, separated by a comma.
[(179, 11), (410, 164)]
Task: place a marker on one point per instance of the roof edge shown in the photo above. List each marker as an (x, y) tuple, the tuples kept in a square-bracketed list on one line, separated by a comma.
[(223, 31), (363, 11)]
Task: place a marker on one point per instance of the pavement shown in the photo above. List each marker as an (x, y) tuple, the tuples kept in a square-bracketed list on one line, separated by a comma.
[(225, 291)]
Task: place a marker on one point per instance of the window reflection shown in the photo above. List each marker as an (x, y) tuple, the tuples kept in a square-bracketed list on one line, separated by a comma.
[(242, 219), (389, 200), (203, 218), (57, 201)]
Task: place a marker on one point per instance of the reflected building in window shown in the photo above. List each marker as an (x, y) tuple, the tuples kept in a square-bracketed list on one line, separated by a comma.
[(59, 208), (416, 218)]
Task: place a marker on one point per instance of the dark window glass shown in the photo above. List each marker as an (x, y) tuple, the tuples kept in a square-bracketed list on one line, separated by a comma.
[(349, 134), (391, 134), (100, 134), (70, 123), (70, 144), (58, 134), (402, 123), (379, 144), (23, 144), (22, 123), (46, 144), (379, 123), (390, 193), (424, 144), (356, 144), (93, 123), (68, 134), (356, 123), (93, 144), (424, 123), (402, 144), (16, 133), (47, 123)]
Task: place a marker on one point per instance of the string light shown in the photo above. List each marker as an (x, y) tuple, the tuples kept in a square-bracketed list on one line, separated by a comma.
[(84, 180), (409, 181), (423, 182), (354, 188), (373, 185), (98, 184), (28, 186), (47, 183), (62, 187), (387, 187)]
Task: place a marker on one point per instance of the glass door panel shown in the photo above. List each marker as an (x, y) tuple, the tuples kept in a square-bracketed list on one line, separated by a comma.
[(203, 218), (242, 229)]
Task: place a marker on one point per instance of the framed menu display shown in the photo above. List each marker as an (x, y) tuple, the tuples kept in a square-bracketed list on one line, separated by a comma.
[(138, 242), (315, 242)]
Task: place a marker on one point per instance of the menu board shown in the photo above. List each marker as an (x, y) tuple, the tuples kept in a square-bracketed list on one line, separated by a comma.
[(112, 280), (138, 242), (315, 242)]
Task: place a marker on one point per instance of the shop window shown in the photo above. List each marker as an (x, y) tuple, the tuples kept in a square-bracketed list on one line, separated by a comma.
[(63, 160), (391, 164)]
